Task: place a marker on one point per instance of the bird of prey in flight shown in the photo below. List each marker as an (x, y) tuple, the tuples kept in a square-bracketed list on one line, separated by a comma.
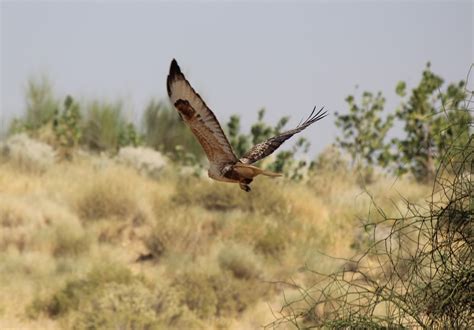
[(224, 164)]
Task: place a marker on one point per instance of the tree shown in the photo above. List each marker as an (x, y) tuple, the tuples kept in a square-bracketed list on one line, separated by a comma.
[(67, 127), (434, 120), (128, 136), (240, 142), (105, 127), (364, 131)]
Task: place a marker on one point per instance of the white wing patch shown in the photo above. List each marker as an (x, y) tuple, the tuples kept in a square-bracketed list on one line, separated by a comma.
[(200, 119)]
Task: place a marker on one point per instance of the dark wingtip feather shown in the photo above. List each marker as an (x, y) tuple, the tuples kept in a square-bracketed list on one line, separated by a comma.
[(174, 71), (174, 68), (314, 117)]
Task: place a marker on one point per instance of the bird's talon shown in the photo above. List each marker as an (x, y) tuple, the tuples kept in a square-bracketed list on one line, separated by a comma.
[(245, 187)]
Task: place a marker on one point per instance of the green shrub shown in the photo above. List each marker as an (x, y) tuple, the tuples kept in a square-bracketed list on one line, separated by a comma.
[(129, 136), (41, 105), (105, 127), (67, 127), (166, 132)]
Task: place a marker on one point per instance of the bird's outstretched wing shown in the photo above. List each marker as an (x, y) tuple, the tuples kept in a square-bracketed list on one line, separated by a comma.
[(265, 148), (198, 117)]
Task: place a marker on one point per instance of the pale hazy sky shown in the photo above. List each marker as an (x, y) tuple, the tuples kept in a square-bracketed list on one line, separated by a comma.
[(240, 56)]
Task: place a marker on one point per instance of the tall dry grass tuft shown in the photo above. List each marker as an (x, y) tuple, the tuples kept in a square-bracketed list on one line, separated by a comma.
[(215, 196), (35, 224), (183, 231), (241, 261), (111, 192)]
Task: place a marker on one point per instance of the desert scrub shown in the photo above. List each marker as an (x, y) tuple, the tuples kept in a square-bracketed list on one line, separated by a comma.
[(119, 306), (266, 195), (184, 230), (144, 160), (234, 295), (27, 154), (218, 293), (269, 235), (135, 306), (107, 194), (241, 261), (70, 240), (197, 293), (19, 266), (81, 290), (330, 173), (273, 243), (40, 225)]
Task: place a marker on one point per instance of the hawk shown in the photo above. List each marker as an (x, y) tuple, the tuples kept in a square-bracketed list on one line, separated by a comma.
[(224, 164)]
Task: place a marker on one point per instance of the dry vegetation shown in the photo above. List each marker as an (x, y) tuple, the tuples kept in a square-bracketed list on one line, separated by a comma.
[(417, 271), (93, 243)]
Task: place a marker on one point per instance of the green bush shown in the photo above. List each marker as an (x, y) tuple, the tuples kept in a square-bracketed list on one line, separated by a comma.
[(41, 105), (67, 127), (105, 127), (166, 132)]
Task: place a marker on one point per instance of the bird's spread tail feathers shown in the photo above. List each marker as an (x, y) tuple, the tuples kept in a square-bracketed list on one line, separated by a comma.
[(249, 171), (271, 174)]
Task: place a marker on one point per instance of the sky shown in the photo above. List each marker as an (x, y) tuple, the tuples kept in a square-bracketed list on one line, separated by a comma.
[(240, 56)]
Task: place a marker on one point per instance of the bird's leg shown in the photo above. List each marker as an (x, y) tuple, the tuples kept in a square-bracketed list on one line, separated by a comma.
[(244, 186)]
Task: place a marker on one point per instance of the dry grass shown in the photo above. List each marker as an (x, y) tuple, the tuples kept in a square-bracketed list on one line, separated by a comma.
[(214, 249)]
